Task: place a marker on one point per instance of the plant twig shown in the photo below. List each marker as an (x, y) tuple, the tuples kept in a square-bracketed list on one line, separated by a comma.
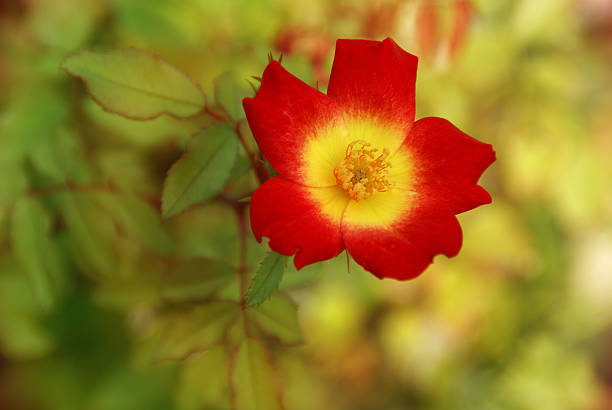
[(260, 168)]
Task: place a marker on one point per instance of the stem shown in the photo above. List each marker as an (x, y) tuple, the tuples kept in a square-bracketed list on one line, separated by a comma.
[(260, 169), (215, 115)]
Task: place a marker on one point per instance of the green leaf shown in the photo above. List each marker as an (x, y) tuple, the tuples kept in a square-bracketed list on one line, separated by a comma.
[(33, 116), (125, 293), (277, 317), (196, 279), (241, 167), (138, 219), (136, 84), (56, 156), (229, 95), (23, 335), (192, 394), (10, 189), (220, 240), (32, 249), (202, 171), (13, 187), (267, 278), (92, 234), (253, 378), (195, 330)]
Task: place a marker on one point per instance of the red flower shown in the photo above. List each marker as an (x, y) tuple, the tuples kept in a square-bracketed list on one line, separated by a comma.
[(356, 171)]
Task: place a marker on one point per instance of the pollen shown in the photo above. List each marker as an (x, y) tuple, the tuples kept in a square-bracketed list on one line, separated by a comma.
[(363, 171)]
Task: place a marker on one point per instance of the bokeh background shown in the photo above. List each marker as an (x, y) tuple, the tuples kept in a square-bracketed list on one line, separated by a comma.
[(520, 319)]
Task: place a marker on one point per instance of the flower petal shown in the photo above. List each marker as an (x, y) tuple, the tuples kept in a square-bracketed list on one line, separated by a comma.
[(299, 220), (298, 129), (373, 82), (403, 245), (448, 163)]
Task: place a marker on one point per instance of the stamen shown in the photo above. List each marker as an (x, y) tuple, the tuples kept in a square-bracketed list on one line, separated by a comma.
[(361, 173)]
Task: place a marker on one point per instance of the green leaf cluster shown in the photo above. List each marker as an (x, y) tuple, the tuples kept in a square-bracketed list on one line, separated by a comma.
[(200, 303)]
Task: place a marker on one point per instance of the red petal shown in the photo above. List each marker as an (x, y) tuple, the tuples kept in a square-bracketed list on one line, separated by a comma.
[(448, 163), (405, 248), (286, 116), (374, 80), (298, 221)]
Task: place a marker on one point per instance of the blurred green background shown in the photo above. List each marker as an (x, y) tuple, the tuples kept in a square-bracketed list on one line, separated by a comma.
[(520, 319)]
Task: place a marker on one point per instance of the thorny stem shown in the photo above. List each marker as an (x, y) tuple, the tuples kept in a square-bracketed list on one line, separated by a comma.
[(260, 168), (213, 114)]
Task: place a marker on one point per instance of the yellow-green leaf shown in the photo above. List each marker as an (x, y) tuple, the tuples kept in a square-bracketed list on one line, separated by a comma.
[(92, 234), (211, 366), (254, 379), (136, 84), (138, 219), (195, 279), (277, 317), (22, 334), (241, 167), (202, 171), (57, 156), (195, 330), (11, 188), (32, 249)]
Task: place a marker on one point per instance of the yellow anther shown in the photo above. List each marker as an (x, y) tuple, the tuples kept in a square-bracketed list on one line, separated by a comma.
[(361, 173)]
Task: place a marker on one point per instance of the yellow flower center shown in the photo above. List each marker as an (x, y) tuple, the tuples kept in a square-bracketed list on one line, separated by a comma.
[(362, 172)]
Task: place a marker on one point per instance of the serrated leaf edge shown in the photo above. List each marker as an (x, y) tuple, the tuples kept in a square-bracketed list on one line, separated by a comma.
[(250, 305)]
